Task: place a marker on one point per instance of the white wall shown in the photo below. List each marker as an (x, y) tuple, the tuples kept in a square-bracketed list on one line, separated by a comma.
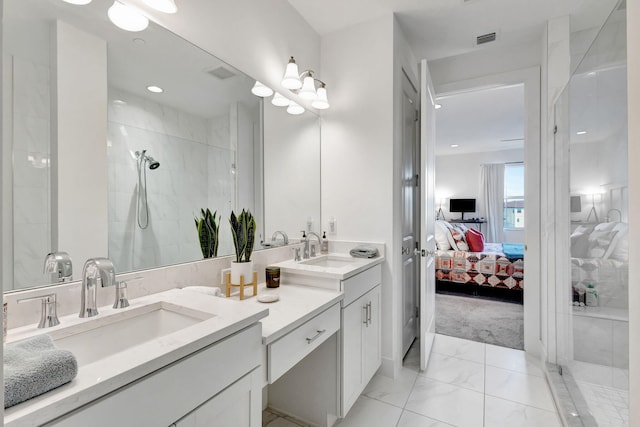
[(489, 60), (458, 176), (633, 85), (357, 146), (78, 139)]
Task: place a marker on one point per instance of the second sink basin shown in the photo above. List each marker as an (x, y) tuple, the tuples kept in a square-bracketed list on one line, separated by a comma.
[(103, 337), (329, 261)]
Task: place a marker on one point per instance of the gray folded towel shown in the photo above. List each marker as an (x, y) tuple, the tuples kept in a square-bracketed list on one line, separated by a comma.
[(364, 251), (33, 367)]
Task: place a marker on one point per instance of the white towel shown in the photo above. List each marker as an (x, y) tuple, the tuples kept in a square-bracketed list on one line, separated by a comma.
[(364, 251), (33, 367), (207, 290)]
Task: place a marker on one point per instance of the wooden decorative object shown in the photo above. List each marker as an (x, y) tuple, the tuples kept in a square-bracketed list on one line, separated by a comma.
[(254, 283)]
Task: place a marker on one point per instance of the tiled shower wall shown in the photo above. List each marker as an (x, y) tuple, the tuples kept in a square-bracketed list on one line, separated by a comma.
[(197, 158), (30, 111)]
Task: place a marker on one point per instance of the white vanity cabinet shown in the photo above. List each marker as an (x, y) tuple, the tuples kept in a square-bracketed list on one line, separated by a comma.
[(361, 329), (220, 382)]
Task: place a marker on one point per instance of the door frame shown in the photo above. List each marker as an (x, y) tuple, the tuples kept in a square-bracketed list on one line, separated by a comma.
[(536, 296)]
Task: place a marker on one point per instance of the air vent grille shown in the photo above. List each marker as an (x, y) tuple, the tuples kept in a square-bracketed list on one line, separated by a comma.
[(221, 73), (486, 38)]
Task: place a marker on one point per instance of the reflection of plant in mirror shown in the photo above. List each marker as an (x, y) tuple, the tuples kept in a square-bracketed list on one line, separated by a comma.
[(243, 229), (208, 233)]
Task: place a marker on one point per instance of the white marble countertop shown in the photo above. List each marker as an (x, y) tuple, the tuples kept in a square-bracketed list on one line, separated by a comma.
[(348, 267), (110, 373), (296, 305)]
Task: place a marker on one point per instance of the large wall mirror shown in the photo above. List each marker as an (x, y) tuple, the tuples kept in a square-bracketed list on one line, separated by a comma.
[(127, 182)]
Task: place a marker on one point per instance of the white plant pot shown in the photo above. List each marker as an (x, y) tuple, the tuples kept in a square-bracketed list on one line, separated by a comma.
[(241, 268)]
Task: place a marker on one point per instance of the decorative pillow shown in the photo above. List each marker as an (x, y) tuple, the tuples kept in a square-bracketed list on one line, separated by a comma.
[(441, 235), (621, 235), (605, 226), (456, 237), (475, 240), (580, 241), (599, 242)]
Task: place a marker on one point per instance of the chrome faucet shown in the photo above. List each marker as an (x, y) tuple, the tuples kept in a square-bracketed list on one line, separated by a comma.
[(58, 267), (95, 270), (285, 238), (310, 251)]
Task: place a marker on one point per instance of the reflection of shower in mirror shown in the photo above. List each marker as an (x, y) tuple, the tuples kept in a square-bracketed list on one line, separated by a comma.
[(143, 160)]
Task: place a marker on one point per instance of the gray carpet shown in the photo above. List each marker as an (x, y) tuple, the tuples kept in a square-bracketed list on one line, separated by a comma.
[(487, 321)]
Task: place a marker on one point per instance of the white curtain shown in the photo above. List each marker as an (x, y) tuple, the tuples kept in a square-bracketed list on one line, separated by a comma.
[(492, 199)]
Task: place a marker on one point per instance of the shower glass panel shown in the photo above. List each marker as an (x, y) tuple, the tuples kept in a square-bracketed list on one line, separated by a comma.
[(593, 328)]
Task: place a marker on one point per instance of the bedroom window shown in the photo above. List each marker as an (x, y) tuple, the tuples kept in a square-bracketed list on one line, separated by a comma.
[(514, 196)]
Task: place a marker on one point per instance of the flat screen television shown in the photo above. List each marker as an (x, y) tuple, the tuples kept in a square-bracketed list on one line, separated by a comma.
[(462, 205)]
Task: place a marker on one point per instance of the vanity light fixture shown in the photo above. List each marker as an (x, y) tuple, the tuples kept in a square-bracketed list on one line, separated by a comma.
[(279, 101), (295, 108), (127, 18), (261, 90), (308, 90), (155, 89), (321, 102), (291, 78), (166, 6), (78, 2)]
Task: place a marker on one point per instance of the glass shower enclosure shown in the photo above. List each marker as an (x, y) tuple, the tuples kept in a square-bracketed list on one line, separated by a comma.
[(593, 327)]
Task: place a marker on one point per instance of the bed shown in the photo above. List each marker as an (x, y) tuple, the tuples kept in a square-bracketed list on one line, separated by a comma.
[(497, 270)]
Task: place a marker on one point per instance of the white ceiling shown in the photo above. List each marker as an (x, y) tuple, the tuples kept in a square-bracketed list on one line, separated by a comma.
[(485, 120), (442, 28)]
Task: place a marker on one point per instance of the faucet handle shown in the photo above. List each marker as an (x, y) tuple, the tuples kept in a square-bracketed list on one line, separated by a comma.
[(121, 295), (296, 254), (49, 316)]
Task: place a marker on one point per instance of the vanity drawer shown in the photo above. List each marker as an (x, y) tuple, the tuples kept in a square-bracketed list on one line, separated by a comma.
[(284, 353), (358, 285)]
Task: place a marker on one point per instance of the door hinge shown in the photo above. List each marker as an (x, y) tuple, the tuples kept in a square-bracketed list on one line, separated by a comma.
[(417, 115), (555, 129), (417, 311), (417, 180)]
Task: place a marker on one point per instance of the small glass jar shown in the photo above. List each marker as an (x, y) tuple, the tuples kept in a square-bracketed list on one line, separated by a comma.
[(272, 275)]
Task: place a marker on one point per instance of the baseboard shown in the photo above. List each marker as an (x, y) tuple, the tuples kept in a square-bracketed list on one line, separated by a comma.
[(387, 367)]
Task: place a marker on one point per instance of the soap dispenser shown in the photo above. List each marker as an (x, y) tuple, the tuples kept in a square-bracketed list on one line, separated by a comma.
[(324, 247)]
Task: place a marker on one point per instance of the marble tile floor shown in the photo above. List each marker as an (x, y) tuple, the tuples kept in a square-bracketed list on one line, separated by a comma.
[(466, 384)]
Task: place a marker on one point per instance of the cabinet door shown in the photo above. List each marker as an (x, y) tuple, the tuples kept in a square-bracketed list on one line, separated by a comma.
[(231, 407), (352, 347), (372, 351)]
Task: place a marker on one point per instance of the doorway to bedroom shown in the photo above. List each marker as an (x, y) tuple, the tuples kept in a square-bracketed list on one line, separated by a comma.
[(480, 227)]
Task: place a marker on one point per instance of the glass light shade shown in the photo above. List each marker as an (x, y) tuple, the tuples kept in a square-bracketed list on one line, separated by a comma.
[(308, 90), (291, 78), (166, 6), (78, 2), (295, 108), (127, 18), (261, 90), (321, 102), (279, 100)]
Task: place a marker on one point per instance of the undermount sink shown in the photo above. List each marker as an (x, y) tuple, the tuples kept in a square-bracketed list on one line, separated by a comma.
[(102, 337), (328, 261)]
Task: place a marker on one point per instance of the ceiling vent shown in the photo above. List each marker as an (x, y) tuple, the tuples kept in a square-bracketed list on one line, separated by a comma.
[(486, 38), (221, 72)]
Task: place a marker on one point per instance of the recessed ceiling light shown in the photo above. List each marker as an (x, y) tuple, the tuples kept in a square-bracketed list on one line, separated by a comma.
[(78, 2), (582, 132), (455, 145), (155, 89), (437, 106), (127, 18)]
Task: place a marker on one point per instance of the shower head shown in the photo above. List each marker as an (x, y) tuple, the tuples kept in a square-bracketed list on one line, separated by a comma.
[(144, 157), (153, 163)]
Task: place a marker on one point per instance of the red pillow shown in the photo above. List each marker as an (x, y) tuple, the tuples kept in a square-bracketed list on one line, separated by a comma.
[(475, 240)]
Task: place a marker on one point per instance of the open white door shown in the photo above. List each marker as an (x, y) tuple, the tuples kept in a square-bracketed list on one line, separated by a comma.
[(428, 215)]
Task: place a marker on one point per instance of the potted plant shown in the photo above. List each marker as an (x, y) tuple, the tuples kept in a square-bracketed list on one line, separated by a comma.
[(208, 233), (243, 230)]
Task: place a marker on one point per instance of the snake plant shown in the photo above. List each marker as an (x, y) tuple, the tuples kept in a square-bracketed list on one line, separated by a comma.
[(243, 230), (208, 233)]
